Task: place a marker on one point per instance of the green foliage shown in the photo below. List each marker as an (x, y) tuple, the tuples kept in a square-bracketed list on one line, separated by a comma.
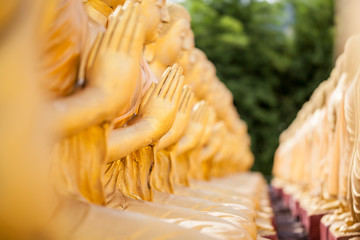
[(270, 55)]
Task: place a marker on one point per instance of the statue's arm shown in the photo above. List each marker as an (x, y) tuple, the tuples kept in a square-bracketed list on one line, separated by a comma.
[(104, 94), (124, 141), (155, 118), (186, 144), (79, 111), (209, 150)]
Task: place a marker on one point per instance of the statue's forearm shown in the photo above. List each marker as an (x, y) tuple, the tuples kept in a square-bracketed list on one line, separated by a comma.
[(169, 139), (209, 151), (79, 111), (206, 153), (124, 141), (186, 144)]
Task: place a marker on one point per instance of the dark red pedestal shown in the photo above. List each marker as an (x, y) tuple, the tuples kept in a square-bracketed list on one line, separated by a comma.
[(312, 225), (286, 199), (271, 237), (294, 207), (324, 231), (302, 215), (277, 191)]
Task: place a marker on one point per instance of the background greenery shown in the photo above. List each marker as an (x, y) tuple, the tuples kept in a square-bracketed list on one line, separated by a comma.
[(271, 55)]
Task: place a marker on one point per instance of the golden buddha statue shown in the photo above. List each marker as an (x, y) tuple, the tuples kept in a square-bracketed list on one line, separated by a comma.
[(160, 177), (203, 158), (68, 109), (163, 166), (122, 146), (346, 135), (158, 61), (188, 142), (197, 72)]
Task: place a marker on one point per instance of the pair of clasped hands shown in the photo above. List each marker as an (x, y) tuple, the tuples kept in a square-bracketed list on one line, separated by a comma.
[(113, 68)]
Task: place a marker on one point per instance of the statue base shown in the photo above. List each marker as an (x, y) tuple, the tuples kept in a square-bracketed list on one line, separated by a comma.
[(324, 230), (311, 222), (294, 206), (286, 199), (278, 192), (268, 235)]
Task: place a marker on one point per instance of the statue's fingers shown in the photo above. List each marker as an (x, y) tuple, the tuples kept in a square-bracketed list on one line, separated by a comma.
[(108, 34), (170, 84), (137, 42), (178, 89), (118, 31), (175, 85), (94, 50), (190, 102), (186, 99), (185, 107), (168, 81), (114, 15), (147, 95), (206, 118), (184, 94), (201, 112), (162, 80), (198, 113), (196, 110), (129, 31)]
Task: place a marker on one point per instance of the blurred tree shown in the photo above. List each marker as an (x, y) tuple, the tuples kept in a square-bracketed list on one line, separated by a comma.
[(270, 54)]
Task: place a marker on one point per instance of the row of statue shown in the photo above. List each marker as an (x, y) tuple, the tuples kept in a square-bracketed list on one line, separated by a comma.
[(317, 161), (114, 126)]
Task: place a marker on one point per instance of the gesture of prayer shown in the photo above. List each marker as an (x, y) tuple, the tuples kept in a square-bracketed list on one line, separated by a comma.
[(194, 129), (111, 73), (182, 118), (156, 116)]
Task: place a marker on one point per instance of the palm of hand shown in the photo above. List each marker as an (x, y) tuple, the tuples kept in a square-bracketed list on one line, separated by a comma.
[(181, 120), (180, 123), (112, 77), (113, 63), (161, 102), (195, 130), (160, 113)]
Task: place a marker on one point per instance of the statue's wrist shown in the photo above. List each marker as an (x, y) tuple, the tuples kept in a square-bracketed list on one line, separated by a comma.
[(149, 128), (107, 100)]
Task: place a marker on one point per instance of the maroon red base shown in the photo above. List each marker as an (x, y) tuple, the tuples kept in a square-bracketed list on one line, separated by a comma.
[(271, 237), (312, 226), (311, 222), (324, 231)]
